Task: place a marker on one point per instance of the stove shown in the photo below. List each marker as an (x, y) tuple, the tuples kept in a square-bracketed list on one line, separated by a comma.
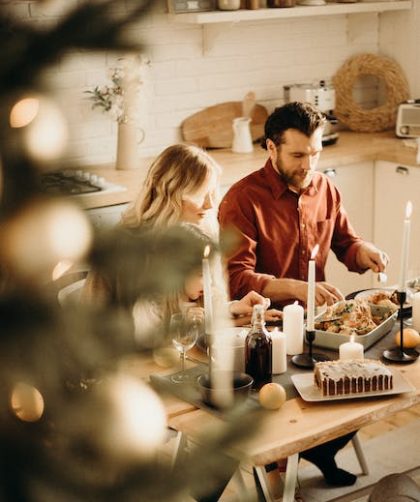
[(76, 182)]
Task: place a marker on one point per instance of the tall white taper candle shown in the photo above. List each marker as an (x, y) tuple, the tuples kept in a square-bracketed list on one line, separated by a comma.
[(208, 301), (311, 290), (405, 246)]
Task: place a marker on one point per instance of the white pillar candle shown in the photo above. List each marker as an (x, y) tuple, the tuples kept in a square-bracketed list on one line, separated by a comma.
[(351, 350), (279, 362), (222, 354), (415, 301), (405, 246), (239, 350), (293, 328), (311, 290), (207, 296)]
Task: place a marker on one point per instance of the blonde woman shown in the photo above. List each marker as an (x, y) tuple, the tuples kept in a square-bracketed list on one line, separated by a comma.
[(181, 186)]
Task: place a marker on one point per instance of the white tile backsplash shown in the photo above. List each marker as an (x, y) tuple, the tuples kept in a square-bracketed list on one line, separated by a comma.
[(195, 66)]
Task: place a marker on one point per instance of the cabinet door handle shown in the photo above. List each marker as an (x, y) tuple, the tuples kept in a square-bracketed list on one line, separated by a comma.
[(402, 170), (331, 173)]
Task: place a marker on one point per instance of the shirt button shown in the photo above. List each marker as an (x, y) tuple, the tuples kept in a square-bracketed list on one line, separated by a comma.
[(303, 225)]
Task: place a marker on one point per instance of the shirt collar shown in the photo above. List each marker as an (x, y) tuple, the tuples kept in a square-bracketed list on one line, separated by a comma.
[(279, 187)]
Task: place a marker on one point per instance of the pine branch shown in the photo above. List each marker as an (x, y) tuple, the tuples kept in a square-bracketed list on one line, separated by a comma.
[(26, 51)]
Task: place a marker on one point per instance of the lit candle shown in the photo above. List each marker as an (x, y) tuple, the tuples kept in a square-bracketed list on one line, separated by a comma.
[(351, 350), (405, 246), (208, 302), (416, 310), (279, 362), (293, 328), (311, 290)]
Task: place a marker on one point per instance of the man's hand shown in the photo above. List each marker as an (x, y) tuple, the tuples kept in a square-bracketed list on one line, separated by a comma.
[(245, 304), (369, 256), (284, 289), (327, 293)]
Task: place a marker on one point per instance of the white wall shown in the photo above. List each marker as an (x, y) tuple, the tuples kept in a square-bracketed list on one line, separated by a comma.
[(195, 66), (400, 39)]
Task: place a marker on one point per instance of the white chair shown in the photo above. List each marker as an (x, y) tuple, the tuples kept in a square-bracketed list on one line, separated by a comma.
[(292, 472)]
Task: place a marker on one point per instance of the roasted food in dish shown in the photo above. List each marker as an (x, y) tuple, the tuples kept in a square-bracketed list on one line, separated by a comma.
[(351, 316), (385, 299)]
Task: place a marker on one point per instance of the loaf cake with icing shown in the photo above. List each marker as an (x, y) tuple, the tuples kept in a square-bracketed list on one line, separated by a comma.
[(352, 376)]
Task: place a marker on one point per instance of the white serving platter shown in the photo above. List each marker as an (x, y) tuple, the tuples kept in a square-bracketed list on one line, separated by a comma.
[(304, 383), (333, 341)]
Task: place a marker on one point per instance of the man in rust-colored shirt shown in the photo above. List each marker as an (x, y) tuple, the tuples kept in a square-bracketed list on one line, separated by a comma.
[(280, 213), (283, 210)]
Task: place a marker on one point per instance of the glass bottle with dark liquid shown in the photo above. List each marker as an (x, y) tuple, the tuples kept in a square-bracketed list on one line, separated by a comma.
[(258, 349)]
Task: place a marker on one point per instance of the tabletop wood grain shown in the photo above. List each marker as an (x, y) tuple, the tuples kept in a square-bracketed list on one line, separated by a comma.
[(299, 425)]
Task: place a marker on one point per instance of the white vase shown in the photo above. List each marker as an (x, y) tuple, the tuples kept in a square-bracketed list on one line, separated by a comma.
[(128, 142)]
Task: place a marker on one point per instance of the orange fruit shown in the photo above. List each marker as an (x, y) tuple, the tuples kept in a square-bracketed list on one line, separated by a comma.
[(411, 338), (272, 396)]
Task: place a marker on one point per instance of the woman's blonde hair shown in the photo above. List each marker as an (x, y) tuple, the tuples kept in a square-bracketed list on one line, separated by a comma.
[(178, 170)]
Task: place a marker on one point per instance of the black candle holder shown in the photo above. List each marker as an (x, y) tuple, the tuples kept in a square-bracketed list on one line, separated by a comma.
[(398, 355), (308, 359)]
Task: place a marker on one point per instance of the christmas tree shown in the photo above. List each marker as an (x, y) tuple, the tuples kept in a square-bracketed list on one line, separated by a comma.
[(74, 426)]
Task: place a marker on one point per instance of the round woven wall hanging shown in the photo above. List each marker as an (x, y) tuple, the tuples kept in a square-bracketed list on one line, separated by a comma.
[(352, 114)]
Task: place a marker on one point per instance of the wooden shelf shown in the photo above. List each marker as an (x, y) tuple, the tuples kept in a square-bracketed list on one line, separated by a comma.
[(331, 9)]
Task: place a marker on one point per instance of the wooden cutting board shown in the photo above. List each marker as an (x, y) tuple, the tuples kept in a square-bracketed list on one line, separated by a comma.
[(212, 127)]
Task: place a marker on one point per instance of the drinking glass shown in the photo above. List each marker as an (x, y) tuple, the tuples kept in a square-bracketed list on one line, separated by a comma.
[(185, 329)]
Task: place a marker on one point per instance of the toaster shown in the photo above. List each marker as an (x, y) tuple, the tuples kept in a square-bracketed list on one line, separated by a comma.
[(408, 119)]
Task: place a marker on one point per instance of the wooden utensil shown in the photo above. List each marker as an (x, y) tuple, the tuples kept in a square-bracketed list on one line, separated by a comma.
[(248, 104), (212, 127)]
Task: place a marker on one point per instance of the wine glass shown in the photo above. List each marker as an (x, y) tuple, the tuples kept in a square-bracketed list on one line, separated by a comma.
[(185, 329)]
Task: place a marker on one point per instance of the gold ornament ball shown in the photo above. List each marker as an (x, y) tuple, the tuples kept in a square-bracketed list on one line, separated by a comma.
[(272, 396), (27, 402), (411, 338)]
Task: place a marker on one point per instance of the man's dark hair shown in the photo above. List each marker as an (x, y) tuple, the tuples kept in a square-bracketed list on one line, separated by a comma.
[(301, 116)]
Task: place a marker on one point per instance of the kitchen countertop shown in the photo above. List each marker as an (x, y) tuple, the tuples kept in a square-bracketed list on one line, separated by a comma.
[(350, 148)]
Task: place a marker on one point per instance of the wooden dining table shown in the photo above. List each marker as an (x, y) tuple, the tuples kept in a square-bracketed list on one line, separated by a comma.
[(299, 425)]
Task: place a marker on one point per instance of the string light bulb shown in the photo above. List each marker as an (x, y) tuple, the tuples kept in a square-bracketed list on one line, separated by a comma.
[(45, 234), (26, 402), (137, 421), (45, 132)]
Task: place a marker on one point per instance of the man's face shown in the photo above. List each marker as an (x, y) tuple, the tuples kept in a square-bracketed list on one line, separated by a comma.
[(297, 158)]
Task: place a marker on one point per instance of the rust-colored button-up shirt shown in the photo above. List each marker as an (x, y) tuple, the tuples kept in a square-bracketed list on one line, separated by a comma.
[(278, 229)]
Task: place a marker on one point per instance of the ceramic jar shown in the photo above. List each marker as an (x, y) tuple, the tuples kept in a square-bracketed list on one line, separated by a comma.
[(228, 4)]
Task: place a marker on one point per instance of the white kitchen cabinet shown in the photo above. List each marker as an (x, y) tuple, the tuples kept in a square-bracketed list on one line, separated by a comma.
[(356, 184), (396, 184)]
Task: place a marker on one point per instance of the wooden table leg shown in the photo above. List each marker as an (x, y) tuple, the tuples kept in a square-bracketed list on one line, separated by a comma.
[(238, 479), (264, 484), (291, 478), (360, 455)]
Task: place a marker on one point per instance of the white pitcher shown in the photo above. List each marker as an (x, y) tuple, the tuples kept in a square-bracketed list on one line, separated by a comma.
[(242, 139)]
